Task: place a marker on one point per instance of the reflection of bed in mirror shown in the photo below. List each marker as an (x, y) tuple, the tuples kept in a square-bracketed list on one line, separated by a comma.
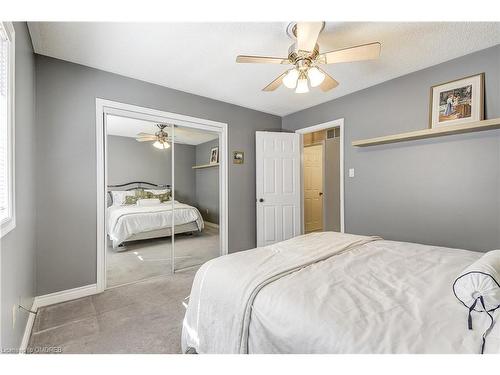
[(142, 210)]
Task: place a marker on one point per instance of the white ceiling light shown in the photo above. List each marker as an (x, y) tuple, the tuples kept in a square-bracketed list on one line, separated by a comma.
[(290, 79), (161, 145), (302, 86), (316, 77)]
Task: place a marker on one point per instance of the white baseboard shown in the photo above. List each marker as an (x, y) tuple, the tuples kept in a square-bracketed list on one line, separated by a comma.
[(27, 330), (213, 225), (50, 299), (65, 295)]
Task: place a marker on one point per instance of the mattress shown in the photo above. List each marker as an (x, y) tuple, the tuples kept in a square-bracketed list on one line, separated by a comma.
[(128, 222), (346, 296)]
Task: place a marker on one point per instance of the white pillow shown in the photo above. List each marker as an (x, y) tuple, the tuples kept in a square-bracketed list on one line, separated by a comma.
[(158, 191), (118, 196), (481, 278), (478, 288), (148, 202)]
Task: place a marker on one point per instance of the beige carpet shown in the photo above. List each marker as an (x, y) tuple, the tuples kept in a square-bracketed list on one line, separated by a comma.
[(144, 317), (150, 258)]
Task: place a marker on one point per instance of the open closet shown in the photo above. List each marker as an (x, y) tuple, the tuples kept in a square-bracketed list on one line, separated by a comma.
[(322, 180)]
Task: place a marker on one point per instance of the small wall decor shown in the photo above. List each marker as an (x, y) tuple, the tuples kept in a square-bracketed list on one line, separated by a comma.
[(238, 157), (214, 155), (457, 102)]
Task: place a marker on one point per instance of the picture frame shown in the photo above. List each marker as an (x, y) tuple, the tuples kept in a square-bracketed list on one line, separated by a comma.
[(238, 157), (214, 155), (457, 102)]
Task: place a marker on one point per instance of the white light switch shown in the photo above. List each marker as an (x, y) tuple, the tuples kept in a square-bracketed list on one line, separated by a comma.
[(351, 172)]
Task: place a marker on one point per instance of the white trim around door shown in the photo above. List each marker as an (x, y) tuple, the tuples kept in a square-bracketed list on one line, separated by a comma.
[(108, 107), (339, 123)]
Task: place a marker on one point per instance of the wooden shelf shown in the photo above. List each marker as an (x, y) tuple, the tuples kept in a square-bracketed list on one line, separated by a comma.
[(205, 166), (430, 133)]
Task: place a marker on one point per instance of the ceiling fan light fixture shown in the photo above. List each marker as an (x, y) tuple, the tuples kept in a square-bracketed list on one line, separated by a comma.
[(302, 86), (316, 77), (161, 145), (305, 58), (290, 79)]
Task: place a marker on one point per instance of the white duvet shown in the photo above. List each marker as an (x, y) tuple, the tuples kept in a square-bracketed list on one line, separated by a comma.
[(352, 294), (125, 221)]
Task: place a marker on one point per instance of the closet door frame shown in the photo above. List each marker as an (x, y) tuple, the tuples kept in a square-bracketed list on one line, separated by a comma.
[(108, 107), (338, 123)]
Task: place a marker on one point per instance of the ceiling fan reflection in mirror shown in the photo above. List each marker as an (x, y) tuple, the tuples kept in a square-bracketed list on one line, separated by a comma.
[(306, 59), (160, 139)]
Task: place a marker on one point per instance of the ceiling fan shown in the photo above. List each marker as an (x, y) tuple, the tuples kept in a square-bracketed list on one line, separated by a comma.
[(304, 55), (160, 138)]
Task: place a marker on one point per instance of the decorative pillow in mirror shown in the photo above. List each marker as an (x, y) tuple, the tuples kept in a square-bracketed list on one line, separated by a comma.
[(145, 194), (165, 197), (130, 199)]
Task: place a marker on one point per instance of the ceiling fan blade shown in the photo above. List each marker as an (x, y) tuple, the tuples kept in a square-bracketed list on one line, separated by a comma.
[(328, 83), (276, 83), (261, 60), (369, 51), (307, 35), (145, 135), (145, 139)]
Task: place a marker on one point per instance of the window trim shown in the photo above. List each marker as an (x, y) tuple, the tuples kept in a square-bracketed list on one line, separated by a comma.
[(10, 223)]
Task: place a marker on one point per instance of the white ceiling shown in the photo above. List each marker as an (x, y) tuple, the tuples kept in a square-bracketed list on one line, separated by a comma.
[(200, 57), (128, 127)]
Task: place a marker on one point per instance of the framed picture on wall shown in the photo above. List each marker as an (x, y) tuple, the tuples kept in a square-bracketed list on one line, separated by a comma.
[(238, 157), (214, 155), (457, 102)]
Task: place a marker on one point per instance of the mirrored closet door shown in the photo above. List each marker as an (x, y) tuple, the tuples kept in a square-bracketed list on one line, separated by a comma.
[(162, 198), (139, 218)]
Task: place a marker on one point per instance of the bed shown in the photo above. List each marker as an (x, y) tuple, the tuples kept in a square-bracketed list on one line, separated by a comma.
[(132, 222), (333, 293)]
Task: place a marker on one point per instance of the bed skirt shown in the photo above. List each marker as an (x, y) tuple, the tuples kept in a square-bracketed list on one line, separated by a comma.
[(165, 232)]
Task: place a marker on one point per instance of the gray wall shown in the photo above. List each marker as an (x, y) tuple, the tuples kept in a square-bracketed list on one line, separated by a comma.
[(443, 191), (66, 163), (207, 183), (129, 160), (18, 246)]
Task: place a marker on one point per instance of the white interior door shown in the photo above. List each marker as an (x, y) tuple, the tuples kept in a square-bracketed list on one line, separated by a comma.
[(278, 186), (313, 188)]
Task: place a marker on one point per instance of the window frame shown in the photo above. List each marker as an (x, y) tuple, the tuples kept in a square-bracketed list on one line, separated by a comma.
[(9, 223)]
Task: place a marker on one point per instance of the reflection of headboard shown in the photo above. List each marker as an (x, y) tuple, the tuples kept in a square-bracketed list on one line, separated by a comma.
[(132, 186)]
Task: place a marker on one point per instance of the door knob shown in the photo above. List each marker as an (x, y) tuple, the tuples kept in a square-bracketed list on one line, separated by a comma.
[(320, 193), (261, 200)]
